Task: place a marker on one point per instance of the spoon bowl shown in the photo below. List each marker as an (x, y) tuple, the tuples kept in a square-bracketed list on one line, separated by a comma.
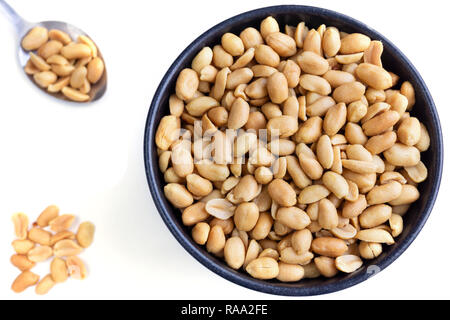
[(23, 26)]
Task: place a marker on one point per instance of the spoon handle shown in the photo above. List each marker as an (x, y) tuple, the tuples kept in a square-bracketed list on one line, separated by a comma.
[(13, 16)]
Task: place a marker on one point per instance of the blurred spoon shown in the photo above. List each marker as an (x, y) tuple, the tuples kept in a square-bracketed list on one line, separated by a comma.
[(23, 27)]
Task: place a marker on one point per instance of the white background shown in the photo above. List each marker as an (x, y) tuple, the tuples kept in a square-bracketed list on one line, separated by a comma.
[(89, 161)]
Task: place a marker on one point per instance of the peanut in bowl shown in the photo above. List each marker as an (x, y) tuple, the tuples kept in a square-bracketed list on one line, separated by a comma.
[(342, 203)]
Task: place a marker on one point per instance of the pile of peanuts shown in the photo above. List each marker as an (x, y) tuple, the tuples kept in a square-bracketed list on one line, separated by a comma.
[(61, 65), (292, 155), (38, 245)]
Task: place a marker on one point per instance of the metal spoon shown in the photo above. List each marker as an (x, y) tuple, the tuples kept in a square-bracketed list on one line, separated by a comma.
[(22, 27)]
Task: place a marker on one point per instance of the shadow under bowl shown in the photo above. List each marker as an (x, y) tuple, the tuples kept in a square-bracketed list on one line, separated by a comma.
[(393, 59)]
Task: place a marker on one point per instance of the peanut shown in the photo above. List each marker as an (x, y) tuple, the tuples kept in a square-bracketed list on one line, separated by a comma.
[(39, 254), (40, 236), (22, 246), (24, 280), (85, 234), (65, 248), (20, 221), (263, 268), (58, 270), (234, 252), (35, 38), (45, 285), (22, 262), (330, 247), (76, 268), (62, 222)]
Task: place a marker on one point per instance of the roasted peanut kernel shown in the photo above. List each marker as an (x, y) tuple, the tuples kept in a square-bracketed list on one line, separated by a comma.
[(35, 38), (384, 193), (409, 131), (76, 51), (262, 227), (24, 280), (95, 70), (348, 263), (58, 270), (375, 216), (331, 42), (408, 195), (202, 59), (40, 236), (216, 240), (277, 87), (290, 272), (330, 247), (74, 95), (326, 266), (45, 285), (375, 235), (288, 255), (370, 250), (269, 25), (76, 268), (40, 253), (313, 194), (292, 73), (61, 236), (263, 268), (335, 119), (187, 84), (293, 218), (20, 221), (284, 45), (246, 216), (59, 85), (239, 114), (62, 222), (354, 43), (407, 90), (417, 173), (265, 55), (336, 184), (328, 217), (22, 262), (60, 36), (380, 123), (78, 77), (312, 42), (282, 193), (49, 49), (22, 246), (200, 233), (282, 126), (251, 38), (45, 79), (374, 76), (195, 213), (315, 84), (402, 155), (85, 234), (234, 252), (350, 61), (65, 248), (87, 41), (349, 92)]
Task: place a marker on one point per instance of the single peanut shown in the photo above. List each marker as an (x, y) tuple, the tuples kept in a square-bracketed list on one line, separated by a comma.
[(24, 280)]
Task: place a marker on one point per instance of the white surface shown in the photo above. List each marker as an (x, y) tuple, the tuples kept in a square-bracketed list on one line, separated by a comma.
[(89, 160)]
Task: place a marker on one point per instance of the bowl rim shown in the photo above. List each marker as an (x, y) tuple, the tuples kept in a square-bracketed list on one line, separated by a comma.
[(238, 278)]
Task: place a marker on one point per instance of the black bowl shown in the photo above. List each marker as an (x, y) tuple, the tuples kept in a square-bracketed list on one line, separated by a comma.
[(393, 59)]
